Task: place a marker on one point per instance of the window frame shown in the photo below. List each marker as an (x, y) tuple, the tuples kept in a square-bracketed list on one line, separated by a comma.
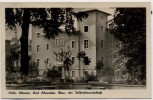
[(38, 49), (29, 48), (73, 61), (86, 71), (84, 28), (57, 43), (47, 46), (102, 28), (47, 60), (38, 36), (102, 59), (84, 44), (73, 73), (37, 61), (62, 41), (74, 44)]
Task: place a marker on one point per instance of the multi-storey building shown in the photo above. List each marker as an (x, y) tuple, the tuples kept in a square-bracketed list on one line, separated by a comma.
[(12, 38), (94, 38)]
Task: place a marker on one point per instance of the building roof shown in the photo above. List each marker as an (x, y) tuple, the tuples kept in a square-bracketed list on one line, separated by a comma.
[(88, 10)]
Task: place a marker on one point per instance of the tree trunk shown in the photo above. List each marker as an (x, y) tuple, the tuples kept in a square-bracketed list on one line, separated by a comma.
[(99, 73), (83, 72), (68, 73), (79, 49), (24, 42)]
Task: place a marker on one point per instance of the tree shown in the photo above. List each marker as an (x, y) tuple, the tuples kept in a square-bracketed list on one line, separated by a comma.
[(99, 67), (14, 55), (50, 19), (130, 28), (82, 56), (65, 58), (15, 50)]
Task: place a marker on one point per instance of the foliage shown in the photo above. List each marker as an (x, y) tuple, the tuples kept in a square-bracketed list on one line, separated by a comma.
[(109, 71), (90, 77), (15, 49), (99, 67), (65, 58), (80, 80), (13, 56), (9, 63), (109, 79), (53, 73), (14, 77), (69, 80), (130, 29), (33, 69), (84, 58), (50, 19)]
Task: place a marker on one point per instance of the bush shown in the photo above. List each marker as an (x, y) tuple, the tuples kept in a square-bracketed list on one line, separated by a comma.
[(143, 82), (69, 80), (129, 81), (80, 80), (53, 73), (14, 77), (90, 77), (32, 80), (17, 77), (109, 79)]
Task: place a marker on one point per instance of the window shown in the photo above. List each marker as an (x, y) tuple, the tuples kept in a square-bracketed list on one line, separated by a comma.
[(86, 29), (38, 62), (62, 41), (47, 46), (38, 35), (30, 41), (57, 42), (73, 60), (102, 59), (47, 60), (38, 48), (59, 57), (73, 73), (86, 72), (73, 44), (86, 44), (102, 29), (29, 47), (101, 43)]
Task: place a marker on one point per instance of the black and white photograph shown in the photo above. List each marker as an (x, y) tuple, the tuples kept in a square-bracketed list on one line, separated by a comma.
[(69, 48)]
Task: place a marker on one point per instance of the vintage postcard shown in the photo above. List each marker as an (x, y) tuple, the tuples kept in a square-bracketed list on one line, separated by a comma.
[(76, 50)]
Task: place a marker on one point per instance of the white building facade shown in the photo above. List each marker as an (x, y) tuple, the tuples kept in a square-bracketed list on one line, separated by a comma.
[(94, 38)]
